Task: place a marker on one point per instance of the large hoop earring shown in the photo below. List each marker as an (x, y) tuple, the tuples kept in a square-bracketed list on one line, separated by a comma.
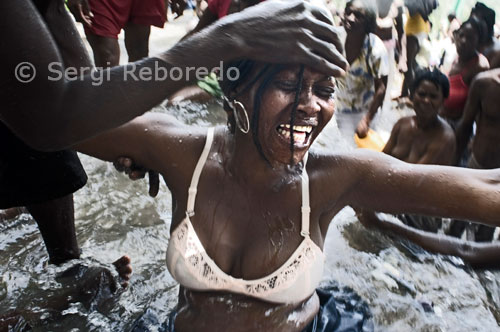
[(243, 125)]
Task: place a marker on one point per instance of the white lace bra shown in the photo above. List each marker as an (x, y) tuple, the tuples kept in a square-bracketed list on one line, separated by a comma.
[(190, 265)]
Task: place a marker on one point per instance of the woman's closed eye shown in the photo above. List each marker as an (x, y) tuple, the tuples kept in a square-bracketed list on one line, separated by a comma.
[(325, 91), (287, 86)]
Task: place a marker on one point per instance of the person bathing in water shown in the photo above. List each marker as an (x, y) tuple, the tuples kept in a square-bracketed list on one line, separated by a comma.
[(53, 115), (424, 138), (252, 204), (361, 91)]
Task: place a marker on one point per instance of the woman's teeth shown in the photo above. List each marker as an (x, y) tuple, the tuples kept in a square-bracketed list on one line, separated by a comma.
[(299, 132)]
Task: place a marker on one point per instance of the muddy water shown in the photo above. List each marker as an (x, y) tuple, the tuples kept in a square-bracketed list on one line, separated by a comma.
[(115, 216)]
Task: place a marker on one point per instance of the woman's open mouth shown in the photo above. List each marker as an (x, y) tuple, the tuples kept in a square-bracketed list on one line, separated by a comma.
[(301, 134)]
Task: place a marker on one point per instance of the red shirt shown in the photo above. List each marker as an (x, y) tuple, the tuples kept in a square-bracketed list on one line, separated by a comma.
[(220, 7)]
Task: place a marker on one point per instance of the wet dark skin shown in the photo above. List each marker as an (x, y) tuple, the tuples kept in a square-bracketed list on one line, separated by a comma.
[(480, 255), (467, 44), (490, 48), (355, 25), (482, 108), (52, 115), (247, 200), (424, 138)]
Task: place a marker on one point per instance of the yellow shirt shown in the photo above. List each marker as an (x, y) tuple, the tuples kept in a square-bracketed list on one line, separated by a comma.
[(416, 25)]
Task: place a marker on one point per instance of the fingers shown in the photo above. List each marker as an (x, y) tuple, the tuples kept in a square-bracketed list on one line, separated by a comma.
[(84, 15), (329, 34), (154, 183), (326, 50), (127, 166), (122, 164), (305, 56), (124, 269)]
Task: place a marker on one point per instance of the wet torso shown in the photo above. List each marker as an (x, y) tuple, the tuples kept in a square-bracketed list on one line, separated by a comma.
[(486, 146), (415, 144), (249, 230)]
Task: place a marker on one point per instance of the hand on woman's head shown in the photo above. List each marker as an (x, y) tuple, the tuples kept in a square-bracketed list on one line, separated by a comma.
[(289, 32)]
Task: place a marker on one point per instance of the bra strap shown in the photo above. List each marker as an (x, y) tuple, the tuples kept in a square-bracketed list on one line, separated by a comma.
[(193, 188), (306, 209)]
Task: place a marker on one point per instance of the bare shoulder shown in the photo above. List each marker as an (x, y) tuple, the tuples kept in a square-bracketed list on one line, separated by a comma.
[(483, 63), (405, 122), (335, 174), (447, 133)]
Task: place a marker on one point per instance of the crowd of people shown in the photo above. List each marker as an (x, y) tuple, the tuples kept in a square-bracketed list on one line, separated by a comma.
[(298, 72)]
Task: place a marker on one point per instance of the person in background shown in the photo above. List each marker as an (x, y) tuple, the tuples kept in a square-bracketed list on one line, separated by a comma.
[(453, 25), (417, 29), (424, 138), (361, 92), (104, 19), (481, 109), (490, 46), (468, 64), (391, 31)]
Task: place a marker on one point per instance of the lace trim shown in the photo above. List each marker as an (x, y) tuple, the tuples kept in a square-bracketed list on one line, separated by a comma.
[(204, 269)]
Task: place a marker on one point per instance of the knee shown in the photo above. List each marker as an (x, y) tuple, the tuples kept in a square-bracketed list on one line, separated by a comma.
[(106, 56), (138, 51)]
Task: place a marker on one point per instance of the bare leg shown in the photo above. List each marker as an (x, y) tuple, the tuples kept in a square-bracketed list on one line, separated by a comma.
[(56, 222), (137, 41), (412, 49), (106, 50)]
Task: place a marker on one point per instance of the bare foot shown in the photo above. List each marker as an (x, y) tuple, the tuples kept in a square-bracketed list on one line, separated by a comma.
[(124, 269)]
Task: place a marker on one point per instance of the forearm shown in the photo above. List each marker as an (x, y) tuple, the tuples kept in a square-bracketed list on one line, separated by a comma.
[(463, 135), (376, 103), (475, 254), (76, 110), (429, 241)]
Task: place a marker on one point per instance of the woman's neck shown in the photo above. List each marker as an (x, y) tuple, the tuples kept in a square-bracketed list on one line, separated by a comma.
[(243, 160), (462, 60)]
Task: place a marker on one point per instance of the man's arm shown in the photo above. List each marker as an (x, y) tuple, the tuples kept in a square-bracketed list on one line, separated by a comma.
[(464, 129), (55, 114), (476, 254)]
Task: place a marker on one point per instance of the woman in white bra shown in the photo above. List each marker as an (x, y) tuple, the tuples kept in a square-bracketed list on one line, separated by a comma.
[(252, 206)]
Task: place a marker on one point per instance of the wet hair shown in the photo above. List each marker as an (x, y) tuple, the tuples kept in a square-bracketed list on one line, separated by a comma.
[(479, 26), (434, 76), (487, 14), (371, 13), (244, 82)]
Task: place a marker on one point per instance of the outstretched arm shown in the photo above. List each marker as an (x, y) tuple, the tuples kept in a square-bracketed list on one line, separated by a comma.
[(377, 182), (55, 114), (476, 254), (155, 141)]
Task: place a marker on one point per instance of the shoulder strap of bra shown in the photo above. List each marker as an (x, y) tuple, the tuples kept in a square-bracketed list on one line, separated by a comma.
[(193, 188), (306, 209)]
